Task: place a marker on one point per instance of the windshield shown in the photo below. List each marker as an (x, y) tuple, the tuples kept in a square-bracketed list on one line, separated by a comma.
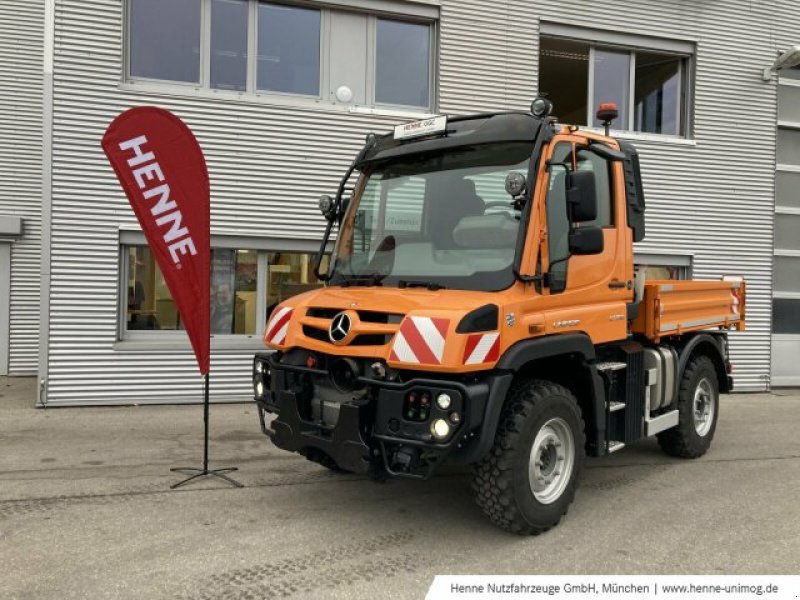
[(441, 220)]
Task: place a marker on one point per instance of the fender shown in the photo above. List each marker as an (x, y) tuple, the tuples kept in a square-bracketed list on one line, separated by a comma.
[(687, 346), (544, 347), (513, 361)]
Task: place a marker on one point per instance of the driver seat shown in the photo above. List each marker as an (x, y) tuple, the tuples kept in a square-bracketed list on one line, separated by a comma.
[(457, 199)]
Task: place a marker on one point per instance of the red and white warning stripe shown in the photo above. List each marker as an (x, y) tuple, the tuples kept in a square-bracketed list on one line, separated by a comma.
[(278, 326), (482, 348), (420, 341)]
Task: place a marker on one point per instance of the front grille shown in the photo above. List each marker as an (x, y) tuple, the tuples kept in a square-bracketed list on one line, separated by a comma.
[(316, 334), (323, 313), (370, 316), (317, 320), (365, 339), (367, 316), (371, 339)]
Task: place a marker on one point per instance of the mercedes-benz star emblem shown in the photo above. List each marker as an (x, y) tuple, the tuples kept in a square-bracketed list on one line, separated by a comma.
[(340, 327)]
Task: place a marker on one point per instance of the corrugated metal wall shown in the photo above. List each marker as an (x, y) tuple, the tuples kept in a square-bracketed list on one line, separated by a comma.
[(712, 198), (21, 52), (268, 166)]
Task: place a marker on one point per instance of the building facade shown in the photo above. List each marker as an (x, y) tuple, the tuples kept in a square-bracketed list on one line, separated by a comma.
[(786, 284), (281, 95), (21, 182)]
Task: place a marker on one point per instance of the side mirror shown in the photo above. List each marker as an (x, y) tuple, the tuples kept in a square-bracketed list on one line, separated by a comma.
[(326, 207), (586, 240), (582, 197)]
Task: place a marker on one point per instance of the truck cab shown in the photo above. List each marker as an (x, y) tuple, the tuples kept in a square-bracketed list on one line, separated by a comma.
[(482, 307)]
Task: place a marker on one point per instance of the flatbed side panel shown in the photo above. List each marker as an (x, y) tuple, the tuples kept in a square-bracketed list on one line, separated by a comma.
[(676, 307)]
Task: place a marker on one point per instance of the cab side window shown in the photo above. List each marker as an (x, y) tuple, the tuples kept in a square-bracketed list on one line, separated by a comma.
[(558, 224), (557, 220), (601, 168)]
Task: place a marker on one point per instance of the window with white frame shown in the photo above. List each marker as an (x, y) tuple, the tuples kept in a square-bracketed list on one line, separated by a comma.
[(296, 52), (664, 266), (648, 83), (246, 286)]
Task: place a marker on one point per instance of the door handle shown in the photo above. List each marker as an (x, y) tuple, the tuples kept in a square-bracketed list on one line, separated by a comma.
[(615, 284)]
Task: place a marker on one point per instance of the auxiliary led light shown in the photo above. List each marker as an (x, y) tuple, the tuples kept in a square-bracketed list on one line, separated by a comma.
[(443, 401), (440, 429)]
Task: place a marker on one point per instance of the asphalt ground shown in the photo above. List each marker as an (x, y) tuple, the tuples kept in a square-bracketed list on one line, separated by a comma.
[(86, 510)]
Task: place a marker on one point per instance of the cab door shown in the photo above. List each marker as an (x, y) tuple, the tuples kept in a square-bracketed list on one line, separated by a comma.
[(586, 293)]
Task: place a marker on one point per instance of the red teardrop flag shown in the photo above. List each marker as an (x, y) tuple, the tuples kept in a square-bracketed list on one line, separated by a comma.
[(162, 169)]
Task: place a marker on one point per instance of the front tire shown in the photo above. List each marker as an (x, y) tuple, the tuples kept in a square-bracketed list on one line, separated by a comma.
[(528, 480), (698, 408)]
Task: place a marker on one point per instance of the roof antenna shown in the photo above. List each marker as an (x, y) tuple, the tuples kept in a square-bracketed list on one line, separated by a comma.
[(607, 112)]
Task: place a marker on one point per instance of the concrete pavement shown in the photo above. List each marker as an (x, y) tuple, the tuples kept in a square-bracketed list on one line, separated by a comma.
[(86, 510)]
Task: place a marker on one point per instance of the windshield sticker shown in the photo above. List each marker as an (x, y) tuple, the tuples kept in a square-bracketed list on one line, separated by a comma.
[(403, 221)]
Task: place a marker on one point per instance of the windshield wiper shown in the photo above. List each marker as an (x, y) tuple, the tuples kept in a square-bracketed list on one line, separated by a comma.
[(374, 279), (431, 285)]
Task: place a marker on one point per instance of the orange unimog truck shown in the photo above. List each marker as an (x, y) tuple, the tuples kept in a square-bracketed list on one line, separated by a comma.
[(482, 307)]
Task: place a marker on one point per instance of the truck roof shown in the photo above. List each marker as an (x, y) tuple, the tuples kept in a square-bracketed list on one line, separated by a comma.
[(462, 131)]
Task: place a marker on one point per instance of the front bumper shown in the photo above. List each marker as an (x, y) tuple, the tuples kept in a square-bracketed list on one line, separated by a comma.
[(345, 443), (371, 431)]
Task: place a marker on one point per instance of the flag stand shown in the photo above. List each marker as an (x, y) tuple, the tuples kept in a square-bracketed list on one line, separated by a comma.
[(205, 471)]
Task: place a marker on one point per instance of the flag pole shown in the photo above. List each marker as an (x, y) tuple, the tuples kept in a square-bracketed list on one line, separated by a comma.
[(205, 471)]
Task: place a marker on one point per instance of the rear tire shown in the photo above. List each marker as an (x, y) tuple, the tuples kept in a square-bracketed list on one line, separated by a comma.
[(528, 480), (698, 408)]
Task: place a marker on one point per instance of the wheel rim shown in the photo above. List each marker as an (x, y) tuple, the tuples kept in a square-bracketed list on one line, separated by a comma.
[(551, 461), (703, 407)]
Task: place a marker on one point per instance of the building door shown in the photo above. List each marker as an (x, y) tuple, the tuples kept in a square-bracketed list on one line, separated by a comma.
[(5, 297), (786, 272)]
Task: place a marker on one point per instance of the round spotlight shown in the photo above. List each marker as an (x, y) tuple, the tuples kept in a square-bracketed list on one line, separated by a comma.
[(443, 401), (440, 429), (326, 206), (541, 107), (515, 184), (259, 367), (259, 388)]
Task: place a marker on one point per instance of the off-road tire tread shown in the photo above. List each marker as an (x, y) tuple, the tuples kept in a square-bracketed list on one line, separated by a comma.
[(492, 482), (681, 441)]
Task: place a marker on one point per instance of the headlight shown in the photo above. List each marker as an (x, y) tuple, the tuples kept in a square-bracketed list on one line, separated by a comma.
[(443, 401), (440, 429), (259, 367), (259, 388)]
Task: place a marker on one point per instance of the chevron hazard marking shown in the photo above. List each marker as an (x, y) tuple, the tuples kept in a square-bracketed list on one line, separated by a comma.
[(482, 348), (278, 326), (420, 340)]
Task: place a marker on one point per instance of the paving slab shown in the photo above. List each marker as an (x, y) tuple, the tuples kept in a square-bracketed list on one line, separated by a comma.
[(86, 510)]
